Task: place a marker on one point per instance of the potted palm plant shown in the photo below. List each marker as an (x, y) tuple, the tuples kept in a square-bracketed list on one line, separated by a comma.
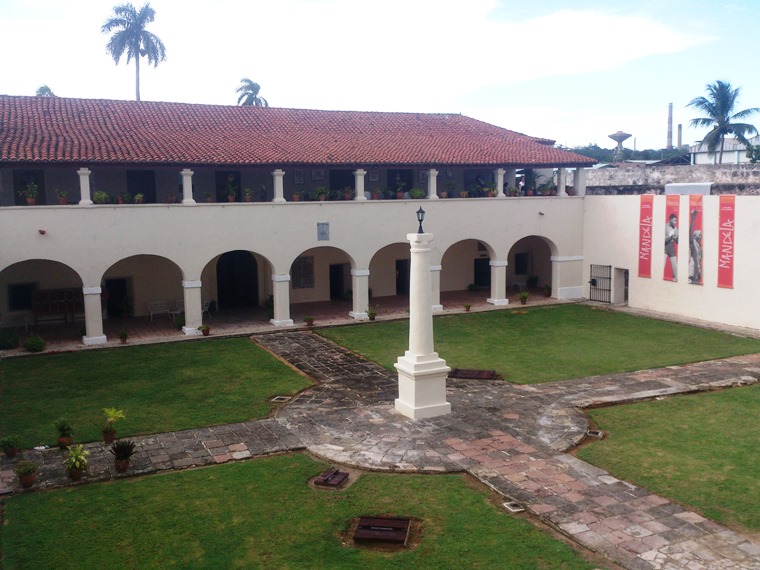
[(321, 192), (309, 320), (112, 414), (122, 452), (63, 197), (10, 445), (372, 311), (523, 297), (64, 429), (76, 462), (123, 336), (204, 329), (26, 472)]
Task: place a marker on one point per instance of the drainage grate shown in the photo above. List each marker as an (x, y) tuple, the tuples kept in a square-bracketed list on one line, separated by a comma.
[(513, 507), (382, 529), (331, 478), (595, 433), (471, 374), (281, 399)]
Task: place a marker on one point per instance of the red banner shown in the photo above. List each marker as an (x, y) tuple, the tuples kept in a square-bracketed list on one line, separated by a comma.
[(672, 203), (645, 235), (695, 239), (726, 242)]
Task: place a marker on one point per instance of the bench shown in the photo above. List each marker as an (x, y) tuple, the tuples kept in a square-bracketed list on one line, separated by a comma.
[(382, 529), (331, 478), (157, 308)]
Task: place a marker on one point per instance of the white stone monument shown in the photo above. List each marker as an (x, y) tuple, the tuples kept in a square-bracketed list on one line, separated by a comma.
[(421, 373)]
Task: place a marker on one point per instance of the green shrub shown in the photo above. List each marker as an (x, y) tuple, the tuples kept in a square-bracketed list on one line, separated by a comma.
[(8, 339), (34, 343)]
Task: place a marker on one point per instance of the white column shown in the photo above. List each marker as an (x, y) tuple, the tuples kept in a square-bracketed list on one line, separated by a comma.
[(187, 186), (84, 187), (498, 283), (359, 184), (511, 178), (281, 294), (93, 316), (499, 172), (193, 307), (360, 287), (279, 193), (432, 184), (561, 186), (435, 287), (421, 373), (579, 181)]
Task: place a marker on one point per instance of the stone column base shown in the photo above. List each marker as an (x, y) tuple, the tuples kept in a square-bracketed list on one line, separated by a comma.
[(422, 386), (190, 331), (437, 308), (358, 315), (91, 340), (283, 323), (498, 302)]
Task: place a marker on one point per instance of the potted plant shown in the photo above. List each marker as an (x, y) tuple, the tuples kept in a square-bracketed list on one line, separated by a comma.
[(100, 197), (417, 193), (64, 429), (123, 336), (372, 311), (399, 188), (124, 198), (523, 296), (309, 320), (231, 189), (30, 193), (296, 196), (63, 197), (348, 193), (122, 452), (76, 462), (204, 329), (139, 198), (513, 191), (209, 197), (467, 307), (10, 445), (378, 193), (26, 472), (321, 192), (248, 194), (112, 414)]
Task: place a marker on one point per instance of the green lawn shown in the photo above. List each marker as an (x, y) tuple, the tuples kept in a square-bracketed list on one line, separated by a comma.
[(262, 514), (160, 388), (548, 343), (701, 450)]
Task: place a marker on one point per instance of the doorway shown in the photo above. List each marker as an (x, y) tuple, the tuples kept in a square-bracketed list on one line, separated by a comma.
[(237, 280), (337, 281), (482, 272), (620, 286), (142, 182), (402, 276), (117, 299)]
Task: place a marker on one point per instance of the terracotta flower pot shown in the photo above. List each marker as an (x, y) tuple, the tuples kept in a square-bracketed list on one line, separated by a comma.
[(64, 442), (121, 465), (230, 198), (27, 479), (63, 201), (76, 474), (109, 436), (296, 197), (205, 332), (31, 201)]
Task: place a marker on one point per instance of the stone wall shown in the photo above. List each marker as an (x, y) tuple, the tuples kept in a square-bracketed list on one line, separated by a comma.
[(741, 179)]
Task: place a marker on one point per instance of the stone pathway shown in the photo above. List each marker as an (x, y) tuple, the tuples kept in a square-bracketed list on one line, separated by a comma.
[(510, 437)]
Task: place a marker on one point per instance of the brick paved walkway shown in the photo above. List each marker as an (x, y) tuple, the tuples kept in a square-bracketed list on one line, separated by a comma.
[(510, 437)]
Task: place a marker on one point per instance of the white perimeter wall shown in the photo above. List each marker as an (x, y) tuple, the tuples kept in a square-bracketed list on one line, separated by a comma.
[(611, 233)]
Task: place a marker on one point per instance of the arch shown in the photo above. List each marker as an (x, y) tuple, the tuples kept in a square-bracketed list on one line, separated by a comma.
[(41, 288), (130, 283), (466, 263), (530, 256), (321, 274), (389, 270)]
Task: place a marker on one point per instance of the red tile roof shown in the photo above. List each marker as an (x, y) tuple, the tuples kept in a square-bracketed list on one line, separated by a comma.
[(89, 131)]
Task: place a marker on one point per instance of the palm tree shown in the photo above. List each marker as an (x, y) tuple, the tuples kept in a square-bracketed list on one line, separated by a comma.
[(719, 107), (44, 91), (130, 36), (249, 94)]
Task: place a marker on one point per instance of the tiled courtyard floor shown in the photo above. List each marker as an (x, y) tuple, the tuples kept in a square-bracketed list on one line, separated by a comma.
[(512, 438)]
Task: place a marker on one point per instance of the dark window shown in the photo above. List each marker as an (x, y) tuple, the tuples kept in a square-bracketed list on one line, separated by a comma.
[(20, 296), (22, 178), (303, 273)]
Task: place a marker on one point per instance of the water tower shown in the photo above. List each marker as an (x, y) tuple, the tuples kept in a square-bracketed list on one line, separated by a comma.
[(619, 137)]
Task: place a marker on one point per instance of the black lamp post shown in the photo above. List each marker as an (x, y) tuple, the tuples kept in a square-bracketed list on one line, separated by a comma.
[(420, 218)]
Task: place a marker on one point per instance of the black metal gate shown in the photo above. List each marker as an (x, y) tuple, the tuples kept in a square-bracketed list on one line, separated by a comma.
[(600, 283)]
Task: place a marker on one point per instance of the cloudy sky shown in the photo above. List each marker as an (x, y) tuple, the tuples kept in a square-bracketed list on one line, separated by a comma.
[(574, 70)]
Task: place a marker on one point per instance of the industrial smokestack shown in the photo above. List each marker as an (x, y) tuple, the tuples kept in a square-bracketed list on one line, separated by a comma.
[(680, 132), (670, 126)]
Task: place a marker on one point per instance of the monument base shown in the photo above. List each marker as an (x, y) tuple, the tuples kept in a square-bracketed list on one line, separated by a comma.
[(422, 386)]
